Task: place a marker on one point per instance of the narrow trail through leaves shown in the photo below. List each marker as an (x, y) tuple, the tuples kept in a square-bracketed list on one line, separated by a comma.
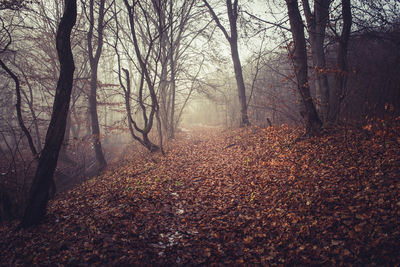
[(230, 197)]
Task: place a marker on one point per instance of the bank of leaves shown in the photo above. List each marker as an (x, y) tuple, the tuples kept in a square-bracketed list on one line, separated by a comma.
[(249, 196)]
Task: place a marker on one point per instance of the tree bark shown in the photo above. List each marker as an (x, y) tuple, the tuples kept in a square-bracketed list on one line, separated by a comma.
[(94, 58), (43, 180), (233, 16), (127, 92), (173, 77), (94, 119), (232, 39), (64, 147), (341, 61), (299, 57), (316, 25), (145, 77)]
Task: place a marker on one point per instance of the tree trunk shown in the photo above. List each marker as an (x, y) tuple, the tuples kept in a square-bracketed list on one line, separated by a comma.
[(163, 86), (94, 119), (64, 147), (233, 15), (145, 141), (232, 39), (173, 82), (172, 61), (19, 112), (127, 92), (75, 129), (145, 77), (341, 61), (173, 88), (316, 24), (240, 84), (299, 57), (31, 108), (43, 180), (94, 57)]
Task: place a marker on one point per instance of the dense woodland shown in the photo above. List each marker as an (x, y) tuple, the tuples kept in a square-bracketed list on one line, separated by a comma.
[(200, 132)]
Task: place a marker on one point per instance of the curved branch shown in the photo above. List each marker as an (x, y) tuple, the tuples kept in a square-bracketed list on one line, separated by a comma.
[(217, 21), (18, 107)]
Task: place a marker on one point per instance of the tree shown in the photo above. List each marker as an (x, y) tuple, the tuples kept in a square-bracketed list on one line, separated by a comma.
[(94, 50), (316, 25), (299, 57), (232, 9), (341, 71), (6, 42), (39, 192), (18, 108), (183, 20), (148, 35)]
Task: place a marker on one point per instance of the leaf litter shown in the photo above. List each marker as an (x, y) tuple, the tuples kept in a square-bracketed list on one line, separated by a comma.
[(253, 196)]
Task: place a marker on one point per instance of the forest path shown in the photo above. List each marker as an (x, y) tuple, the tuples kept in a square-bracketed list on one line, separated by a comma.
[(230, 197)]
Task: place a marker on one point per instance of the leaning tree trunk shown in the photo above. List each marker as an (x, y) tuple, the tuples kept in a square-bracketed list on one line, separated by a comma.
[(299, 57), (39, 192), (233, 42)]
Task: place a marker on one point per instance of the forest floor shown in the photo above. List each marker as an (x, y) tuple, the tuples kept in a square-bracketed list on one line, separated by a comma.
[(250, 196)]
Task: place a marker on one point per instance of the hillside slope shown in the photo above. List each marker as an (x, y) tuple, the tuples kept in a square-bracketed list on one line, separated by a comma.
[(223, 197)]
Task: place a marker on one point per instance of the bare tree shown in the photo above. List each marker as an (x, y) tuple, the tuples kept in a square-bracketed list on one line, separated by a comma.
[(19, 112), (232, 10), (316, 25), (95, 48), (149, 36), (29, 99), (39, 192), (299, 57), (6, 41), (341, 71)]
